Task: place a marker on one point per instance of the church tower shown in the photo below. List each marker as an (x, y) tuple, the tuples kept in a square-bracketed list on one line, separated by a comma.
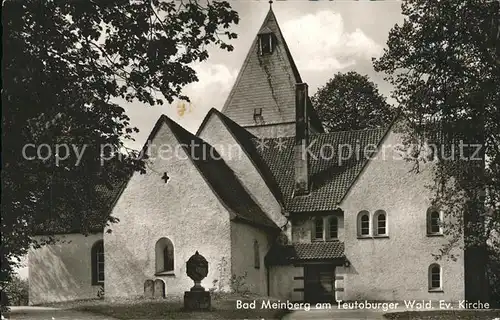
[(262, 99)]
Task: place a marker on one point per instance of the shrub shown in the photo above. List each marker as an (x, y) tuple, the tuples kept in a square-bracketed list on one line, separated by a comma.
[(238, 284), (17, 292), (493, 269)]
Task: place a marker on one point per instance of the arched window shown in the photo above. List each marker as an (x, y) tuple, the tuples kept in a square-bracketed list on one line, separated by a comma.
[(318, 228), (164, 250), (434, 222), (363, 224), (256, 254), (97, 257), (333, 228), (380, 226), (435, 277)]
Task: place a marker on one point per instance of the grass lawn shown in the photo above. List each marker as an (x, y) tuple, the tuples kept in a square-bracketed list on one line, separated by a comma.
[(445, 315), (223, 307)]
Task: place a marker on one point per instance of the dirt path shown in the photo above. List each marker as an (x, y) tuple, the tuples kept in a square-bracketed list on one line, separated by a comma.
[(43, 313), (334, 314)]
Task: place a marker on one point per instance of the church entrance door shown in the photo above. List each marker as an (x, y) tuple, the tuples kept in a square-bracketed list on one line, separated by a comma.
[(319, 283)]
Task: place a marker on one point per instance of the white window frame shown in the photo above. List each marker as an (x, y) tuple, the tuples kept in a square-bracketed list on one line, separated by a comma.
[(430, 280), (361, 214), (429, 224), (376, 216), (329, 224), (313, 235)]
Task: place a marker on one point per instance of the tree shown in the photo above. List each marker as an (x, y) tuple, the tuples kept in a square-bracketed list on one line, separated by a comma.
[(66, 63), (350, 101), (444, 62)]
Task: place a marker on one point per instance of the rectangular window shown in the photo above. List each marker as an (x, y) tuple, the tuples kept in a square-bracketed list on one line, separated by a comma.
[(168, 259), (100, 266), (434, 223), (435, 283), (257, 116), (334, 228), (265, 43)]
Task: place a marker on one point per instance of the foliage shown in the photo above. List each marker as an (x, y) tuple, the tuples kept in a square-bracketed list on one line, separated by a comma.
[(350, 101), (238, 283), (17, 292), (444, 63), (100, 292), (220, 283), (444, 314), (493, 269), (67, 65)]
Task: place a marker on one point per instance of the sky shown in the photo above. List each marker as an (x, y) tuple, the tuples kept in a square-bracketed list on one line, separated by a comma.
[(324, 37)]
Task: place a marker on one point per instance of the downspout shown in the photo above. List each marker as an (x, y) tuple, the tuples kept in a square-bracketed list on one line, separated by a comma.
[(268, 283)]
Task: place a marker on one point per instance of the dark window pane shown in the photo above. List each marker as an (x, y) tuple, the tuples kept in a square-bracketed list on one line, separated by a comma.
[(98, 262), (168, 258), (265, 43), (334, 227), (318, 228), (435, 228), (435, 277)]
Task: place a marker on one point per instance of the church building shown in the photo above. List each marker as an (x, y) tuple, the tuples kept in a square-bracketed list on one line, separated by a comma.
[(266, 196)]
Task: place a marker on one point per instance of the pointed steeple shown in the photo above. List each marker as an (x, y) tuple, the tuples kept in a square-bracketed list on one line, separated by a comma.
[(264, 91)]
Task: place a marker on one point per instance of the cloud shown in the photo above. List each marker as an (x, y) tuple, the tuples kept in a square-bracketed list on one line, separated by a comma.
[(211, 91), (320, 42)]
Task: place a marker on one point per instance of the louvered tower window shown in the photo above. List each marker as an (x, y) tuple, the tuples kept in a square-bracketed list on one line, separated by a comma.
[(266, 43)]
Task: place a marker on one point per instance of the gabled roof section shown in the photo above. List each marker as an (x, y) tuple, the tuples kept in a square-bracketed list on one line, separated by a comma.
[(220, 178), (245, 140), (331, 177), (267, 82)]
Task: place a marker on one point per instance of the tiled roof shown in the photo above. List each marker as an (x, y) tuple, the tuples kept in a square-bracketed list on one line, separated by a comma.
[(267, 82), (220, 177), (300, 252), (330, 176)]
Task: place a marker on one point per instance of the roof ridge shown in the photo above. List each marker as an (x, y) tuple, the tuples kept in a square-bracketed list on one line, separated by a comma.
[(356, 130), (312, 135)]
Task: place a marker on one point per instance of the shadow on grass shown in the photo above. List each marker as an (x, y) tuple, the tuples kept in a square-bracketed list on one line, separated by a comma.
[(173, 308), (445, 315)]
